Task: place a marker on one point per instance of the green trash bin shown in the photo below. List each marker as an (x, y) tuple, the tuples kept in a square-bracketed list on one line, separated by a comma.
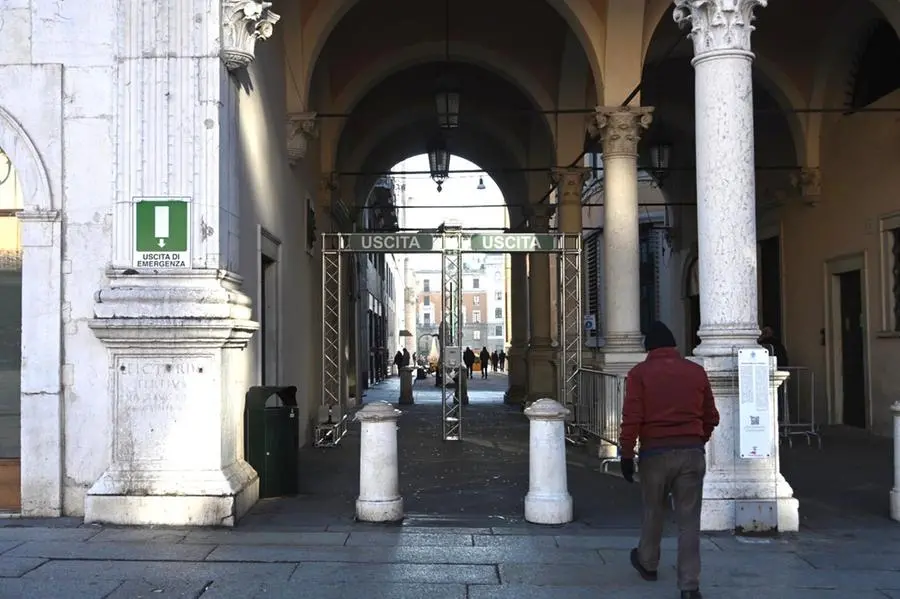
[(272, 438)]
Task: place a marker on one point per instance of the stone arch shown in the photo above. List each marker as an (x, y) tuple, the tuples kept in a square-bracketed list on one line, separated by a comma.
[(16, 143), (582, 19), (41, 383), (835, 58), (427, 52)]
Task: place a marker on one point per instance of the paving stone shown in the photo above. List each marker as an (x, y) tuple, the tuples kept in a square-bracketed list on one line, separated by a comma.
[(7, 545), (17, 566), (388, 539), (145, 535), (719, 560), (298, 590), (127, 551), (649, 591), (891, 594), (518, 541), (845, 560), (428, 573), (227, 537), (22, 588), (65, 570), (405, 529), (47, 534), (622, 542), (169, 589), (568, 575), (402, 554), (748, 574)]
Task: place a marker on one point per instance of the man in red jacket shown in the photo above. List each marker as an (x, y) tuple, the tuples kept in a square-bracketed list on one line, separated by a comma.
[(669, 406)]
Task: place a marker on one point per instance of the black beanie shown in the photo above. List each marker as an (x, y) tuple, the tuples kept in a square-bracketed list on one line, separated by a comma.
[(658, 335)]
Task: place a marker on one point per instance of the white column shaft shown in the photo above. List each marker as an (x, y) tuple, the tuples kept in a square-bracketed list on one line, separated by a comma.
[(621, 244), (726, 203)]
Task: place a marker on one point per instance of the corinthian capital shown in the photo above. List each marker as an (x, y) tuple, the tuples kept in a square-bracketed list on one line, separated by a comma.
[(300, 129), (571, 183), (243, 23), (619, 128), (718, 24)]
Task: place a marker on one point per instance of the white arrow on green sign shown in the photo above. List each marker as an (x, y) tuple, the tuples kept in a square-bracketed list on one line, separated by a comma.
[(390, 242), (513, 242)]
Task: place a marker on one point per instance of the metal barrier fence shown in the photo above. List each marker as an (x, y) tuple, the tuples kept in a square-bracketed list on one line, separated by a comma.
[(597, 412), (797, 406)]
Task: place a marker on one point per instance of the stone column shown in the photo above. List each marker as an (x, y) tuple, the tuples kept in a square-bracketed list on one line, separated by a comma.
[(542, 367), (726, 215), (174, 320), (620, 130), (518, 347), (895, 492)]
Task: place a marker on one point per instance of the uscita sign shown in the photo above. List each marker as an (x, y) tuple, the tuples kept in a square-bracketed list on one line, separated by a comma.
[(513, 242), (390, 242)]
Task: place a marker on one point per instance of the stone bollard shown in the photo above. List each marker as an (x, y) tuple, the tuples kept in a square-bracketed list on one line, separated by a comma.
[(406, 385), (895, 492), (548, 500), (379, 479)]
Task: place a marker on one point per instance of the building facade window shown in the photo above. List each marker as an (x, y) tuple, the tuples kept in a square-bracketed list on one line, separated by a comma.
[(476, 316), (427, 300), (475, 283), (426, 286), (426, 318), (476, 335), (498, 295), (498, 331), (476, 300), (498, 313)]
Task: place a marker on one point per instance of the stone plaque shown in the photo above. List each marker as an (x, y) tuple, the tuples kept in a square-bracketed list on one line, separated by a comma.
[(163, 409)]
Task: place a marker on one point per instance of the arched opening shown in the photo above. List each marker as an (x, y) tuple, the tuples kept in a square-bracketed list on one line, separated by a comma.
[(874, 75), (11, 203)]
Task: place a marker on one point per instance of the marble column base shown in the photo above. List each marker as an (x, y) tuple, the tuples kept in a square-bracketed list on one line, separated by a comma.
[(177, 390), (736, 490), (219, 498), (620, 362), (542, 373)]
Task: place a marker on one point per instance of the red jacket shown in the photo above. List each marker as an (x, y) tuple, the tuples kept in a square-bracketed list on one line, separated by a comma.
[(668, 403)]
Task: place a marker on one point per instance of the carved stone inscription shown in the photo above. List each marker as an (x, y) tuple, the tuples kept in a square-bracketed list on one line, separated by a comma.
[(163, 408)]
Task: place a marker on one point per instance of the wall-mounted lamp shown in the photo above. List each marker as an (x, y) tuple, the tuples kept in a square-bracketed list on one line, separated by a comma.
[(481, 184)]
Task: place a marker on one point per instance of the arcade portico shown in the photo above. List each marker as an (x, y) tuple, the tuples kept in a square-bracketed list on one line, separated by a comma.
[(269, 117)]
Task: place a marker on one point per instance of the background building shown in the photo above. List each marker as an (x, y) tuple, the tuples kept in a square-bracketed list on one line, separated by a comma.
[(484, 291)]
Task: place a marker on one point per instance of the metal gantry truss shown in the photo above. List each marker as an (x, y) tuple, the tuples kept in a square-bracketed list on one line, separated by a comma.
[(452, 244), (451, 337), (571, 324)]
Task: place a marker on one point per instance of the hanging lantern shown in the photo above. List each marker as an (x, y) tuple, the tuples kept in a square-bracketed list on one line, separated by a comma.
[(439, 161)]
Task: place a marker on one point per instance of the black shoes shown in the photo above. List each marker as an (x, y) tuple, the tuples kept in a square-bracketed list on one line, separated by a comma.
[(691, 595), (648, 575)]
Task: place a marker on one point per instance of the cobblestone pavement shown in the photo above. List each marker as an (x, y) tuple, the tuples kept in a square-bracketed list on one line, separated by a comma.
[(464, 537)]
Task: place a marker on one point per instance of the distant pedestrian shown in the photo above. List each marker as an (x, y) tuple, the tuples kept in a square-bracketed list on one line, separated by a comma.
[(669, 407), (485, 357), (501, 357)]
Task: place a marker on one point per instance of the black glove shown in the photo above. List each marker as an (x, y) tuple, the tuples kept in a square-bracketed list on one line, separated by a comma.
[(628, 469)]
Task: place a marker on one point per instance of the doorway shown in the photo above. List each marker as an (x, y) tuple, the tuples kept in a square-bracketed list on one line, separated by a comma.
[(770, 284), (853, 383), (268, 309), (692, 298), (847, 347)]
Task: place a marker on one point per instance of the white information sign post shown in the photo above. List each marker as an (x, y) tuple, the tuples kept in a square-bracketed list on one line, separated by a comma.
[(452, 357), (757, 422)]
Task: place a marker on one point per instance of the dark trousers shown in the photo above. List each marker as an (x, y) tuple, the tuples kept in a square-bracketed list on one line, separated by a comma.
[(679, 472)]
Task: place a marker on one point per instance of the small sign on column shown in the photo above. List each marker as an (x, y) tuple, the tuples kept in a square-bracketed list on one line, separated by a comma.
[(161, 233)]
